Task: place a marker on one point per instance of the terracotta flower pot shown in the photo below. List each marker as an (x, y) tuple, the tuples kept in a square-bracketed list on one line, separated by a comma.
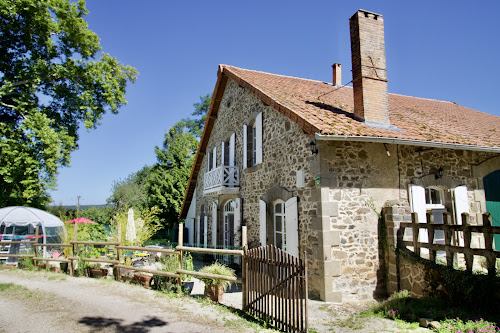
[(214, 292), (96, 273), (143, 280)]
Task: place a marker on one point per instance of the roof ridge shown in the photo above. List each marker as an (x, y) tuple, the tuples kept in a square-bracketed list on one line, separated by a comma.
[(288, 76)]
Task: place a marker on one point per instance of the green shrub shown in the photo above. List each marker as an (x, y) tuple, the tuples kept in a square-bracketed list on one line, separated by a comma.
[(219, 269), (458, 325)]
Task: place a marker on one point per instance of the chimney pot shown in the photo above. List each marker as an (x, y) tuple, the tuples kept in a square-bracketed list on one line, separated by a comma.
[(337, 74)]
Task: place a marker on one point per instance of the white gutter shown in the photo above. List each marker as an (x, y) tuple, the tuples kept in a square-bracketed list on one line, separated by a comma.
[(409, 142)]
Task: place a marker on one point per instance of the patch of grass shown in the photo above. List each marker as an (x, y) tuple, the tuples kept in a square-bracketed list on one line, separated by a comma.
[(405, 309), (7, 286), (354, 322)]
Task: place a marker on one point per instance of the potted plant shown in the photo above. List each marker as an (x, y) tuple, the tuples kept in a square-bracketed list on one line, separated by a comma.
[(143, 279), (127, 276), (214, 288)]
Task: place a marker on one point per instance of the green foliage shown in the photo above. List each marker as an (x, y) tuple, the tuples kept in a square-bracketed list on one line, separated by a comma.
[(167, 181), (400, 306), (195, 125), (101, 216), (26, 263), (458, 325), (145, 226), (170, 263), (51, 82), (219, 269), (130, 192)]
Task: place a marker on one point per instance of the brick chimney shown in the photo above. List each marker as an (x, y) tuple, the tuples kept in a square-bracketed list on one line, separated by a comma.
[(337, 74), (369, 74)]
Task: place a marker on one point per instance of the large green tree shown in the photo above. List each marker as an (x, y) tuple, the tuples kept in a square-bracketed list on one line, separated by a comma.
[(130, 192), (195, 125), (53, 79), (167, 181)]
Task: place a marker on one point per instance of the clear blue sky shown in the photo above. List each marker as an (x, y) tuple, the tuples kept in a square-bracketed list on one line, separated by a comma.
[(446, 50)]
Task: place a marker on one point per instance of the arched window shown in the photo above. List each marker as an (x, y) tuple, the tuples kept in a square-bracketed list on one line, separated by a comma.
[(279, 224), (434, 198)]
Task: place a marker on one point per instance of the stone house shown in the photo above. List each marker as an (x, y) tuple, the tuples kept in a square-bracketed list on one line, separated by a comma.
[(309, 165)]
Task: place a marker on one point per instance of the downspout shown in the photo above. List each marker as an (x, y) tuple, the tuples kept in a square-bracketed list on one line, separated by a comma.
[(409, 142)]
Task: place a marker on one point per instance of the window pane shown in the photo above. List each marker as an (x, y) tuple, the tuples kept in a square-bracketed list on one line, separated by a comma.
[(427, 196), (435, 196), (278, 241), (277, 208), (277, 221)]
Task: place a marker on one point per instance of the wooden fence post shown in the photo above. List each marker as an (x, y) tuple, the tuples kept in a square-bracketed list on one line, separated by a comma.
[(415, 231), (36, 242), (73, 248), (119, 232), (447, 238), (430, 235), (244, 267), (467, 239), (179, 256), (488, 244)]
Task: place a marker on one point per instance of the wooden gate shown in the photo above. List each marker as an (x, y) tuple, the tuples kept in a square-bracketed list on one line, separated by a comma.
[(276, 288)]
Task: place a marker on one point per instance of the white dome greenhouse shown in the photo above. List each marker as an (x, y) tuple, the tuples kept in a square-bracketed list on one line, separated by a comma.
[(19, 224)]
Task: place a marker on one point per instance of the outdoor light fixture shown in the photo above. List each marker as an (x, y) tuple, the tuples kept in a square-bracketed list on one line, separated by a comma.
[(313, 147), (439, 173)]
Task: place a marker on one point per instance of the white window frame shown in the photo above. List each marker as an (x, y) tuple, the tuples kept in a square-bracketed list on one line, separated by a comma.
[(283, 223), (432, 205), (229, 209)]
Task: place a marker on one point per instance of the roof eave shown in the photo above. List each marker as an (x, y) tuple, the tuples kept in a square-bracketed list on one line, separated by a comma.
[(419, 143)]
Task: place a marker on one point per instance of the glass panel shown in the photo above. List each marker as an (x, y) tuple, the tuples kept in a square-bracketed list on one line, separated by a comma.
[(427, 196), (278, 222), (435, 196), (278, 241), (277, 208)]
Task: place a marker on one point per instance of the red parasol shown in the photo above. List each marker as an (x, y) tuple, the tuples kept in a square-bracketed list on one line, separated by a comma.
[(80, 220)]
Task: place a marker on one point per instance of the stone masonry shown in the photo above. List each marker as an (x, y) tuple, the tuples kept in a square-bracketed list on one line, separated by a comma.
[(346, 186)]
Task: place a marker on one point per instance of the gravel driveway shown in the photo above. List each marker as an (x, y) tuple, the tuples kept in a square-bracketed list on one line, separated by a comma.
[(51, 302)]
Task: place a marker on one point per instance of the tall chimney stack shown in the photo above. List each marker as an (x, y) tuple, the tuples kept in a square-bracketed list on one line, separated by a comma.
[(337, 74), (369, 74)]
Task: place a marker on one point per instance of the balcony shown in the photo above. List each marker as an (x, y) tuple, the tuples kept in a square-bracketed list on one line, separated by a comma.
[(222, 180)]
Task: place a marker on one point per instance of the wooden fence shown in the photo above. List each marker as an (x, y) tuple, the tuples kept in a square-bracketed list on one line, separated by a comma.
[(274, 283), (277, 288), (453, 233)]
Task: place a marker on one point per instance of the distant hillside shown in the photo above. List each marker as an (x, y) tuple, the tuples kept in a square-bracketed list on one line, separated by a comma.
[(82, 207)]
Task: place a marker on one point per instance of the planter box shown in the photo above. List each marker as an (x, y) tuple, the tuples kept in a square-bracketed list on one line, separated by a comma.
[(126, 278), (98, 273), (42, 266), (214, 292)]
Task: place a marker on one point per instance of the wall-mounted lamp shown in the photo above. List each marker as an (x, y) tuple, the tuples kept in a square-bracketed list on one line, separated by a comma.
[(314, 148), (439, 173)]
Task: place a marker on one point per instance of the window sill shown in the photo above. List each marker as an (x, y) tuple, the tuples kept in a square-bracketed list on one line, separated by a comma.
[(253, 168)]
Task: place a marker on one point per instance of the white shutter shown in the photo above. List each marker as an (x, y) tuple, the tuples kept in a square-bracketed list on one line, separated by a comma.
[(258, 134), (231, 149), (214, 158), (222, 152), (417, 205), (214, 223), (205, 233), (292, 226), (244, 146), (417, 202), (262, 221), (197, 230), (237, 225), (461, 202), (190, 227), (237, 219)]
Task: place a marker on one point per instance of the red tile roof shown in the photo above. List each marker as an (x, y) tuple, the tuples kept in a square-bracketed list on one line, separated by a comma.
[(322, 108)]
